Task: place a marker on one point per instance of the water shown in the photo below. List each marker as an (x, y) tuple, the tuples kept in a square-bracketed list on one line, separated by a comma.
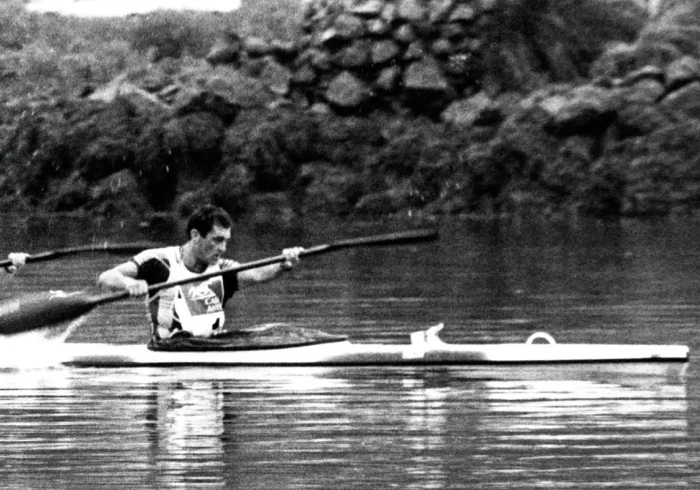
[(407, 428)]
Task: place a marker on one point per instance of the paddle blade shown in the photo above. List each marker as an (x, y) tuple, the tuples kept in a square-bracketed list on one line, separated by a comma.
[(39, 310)]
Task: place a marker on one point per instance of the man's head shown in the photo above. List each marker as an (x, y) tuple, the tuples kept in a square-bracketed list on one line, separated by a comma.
[(209, 230)]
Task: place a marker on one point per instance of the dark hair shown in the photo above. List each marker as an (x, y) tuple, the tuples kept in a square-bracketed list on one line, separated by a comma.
[(204, 219)]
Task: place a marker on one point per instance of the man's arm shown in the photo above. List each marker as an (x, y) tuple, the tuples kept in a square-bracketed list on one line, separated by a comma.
[(123, 278), (269, 272)]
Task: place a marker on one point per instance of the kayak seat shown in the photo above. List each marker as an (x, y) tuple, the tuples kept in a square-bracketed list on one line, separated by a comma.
[(274, 336)]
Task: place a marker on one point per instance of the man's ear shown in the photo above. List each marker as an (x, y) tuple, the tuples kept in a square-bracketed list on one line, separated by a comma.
[(194, 234)]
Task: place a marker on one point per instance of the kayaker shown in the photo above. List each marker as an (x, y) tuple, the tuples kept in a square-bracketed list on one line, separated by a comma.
[(193, 309), (18, 260)]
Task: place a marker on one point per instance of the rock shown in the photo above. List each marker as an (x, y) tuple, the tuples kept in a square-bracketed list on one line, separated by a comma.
[(276, 77), (585, 108), (215, 101), (682, 71), (425, 75), (320, 108), (453, 31), (389, 13), (617, 60), (685, 100), (411, 10), (438, 10), (368, 8), (320, 60), (384, 51), (459, 65), (388, 79), (234, 90), (283, 50), (349, 26), (442, 48), (304, 75), (405, 34), (119, 88), (256, 46), (330, 37), (640, 119), (646, 72), (355, 55), (226, 49), (415, 51), (645, 90), (377, 27), (463, 13), (479, 109), (347, 91)]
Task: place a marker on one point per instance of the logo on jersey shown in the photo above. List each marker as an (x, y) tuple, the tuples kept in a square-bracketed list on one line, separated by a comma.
[(203, 298), (201, 292)]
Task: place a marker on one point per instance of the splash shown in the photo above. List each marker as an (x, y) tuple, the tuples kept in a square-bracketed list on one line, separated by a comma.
[(36, 348)]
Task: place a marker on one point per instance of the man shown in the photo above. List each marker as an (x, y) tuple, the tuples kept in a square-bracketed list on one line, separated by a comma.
[(194, 309)]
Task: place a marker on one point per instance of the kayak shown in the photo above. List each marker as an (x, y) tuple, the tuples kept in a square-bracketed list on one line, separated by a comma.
[(425, 348)]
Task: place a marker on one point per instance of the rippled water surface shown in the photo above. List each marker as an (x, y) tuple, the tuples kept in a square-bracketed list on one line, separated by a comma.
[(346, 428)]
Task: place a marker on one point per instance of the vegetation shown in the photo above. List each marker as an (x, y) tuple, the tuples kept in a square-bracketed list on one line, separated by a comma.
[(61, 151)]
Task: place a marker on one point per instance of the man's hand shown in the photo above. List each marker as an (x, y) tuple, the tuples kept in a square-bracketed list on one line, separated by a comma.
[(136, 287), (291, 257), (18, 260)]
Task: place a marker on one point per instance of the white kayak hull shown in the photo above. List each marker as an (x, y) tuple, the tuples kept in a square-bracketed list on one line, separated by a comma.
[(425, 348)]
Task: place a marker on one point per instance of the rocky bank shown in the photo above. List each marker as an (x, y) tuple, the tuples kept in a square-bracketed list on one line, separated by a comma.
[(379, 107)]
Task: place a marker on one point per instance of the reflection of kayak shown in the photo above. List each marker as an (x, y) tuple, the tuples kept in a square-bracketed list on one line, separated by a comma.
[(425, 348)]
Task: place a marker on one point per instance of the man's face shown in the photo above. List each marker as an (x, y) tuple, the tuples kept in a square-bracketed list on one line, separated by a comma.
[(211, 247)]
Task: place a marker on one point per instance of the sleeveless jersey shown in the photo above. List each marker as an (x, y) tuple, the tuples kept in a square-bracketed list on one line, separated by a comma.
[(196, 308)]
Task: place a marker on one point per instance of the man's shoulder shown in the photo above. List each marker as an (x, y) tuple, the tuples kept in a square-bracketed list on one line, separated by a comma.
[(162, 253)]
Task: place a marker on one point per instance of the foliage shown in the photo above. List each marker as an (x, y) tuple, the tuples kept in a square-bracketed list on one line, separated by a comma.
[(532, 42), (48, 52)]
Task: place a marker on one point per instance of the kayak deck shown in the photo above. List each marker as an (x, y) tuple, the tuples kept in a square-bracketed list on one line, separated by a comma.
[(426, 348)]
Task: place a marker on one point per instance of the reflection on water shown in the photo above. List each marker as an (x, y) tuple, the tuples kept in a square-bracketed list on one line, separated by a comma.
[(320, 428), (298, 428)]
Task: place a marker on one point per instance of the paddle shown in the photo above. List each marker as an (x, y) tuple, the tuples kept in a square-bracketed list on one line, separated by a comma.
[(41, 310), (125, 248)]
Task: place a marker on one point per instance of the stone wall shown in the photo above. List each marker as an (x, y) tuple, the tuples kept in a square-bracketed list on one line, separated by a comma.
[(418, 51), (423, 54), (356, 53)]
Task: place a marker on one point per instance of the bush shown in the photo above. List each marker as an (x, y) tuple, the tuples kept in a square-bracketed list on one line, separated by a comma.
[(531, 42)]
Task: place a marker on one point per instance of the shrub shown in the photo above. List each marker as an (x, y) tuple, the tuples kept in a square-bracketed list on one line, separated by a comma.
[(531, 42)]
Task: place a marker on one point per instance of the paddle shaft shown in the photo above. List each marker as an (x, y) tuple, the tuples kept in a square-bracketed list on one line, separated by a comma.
[(127, 248), (42, 310), (376, 240)]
